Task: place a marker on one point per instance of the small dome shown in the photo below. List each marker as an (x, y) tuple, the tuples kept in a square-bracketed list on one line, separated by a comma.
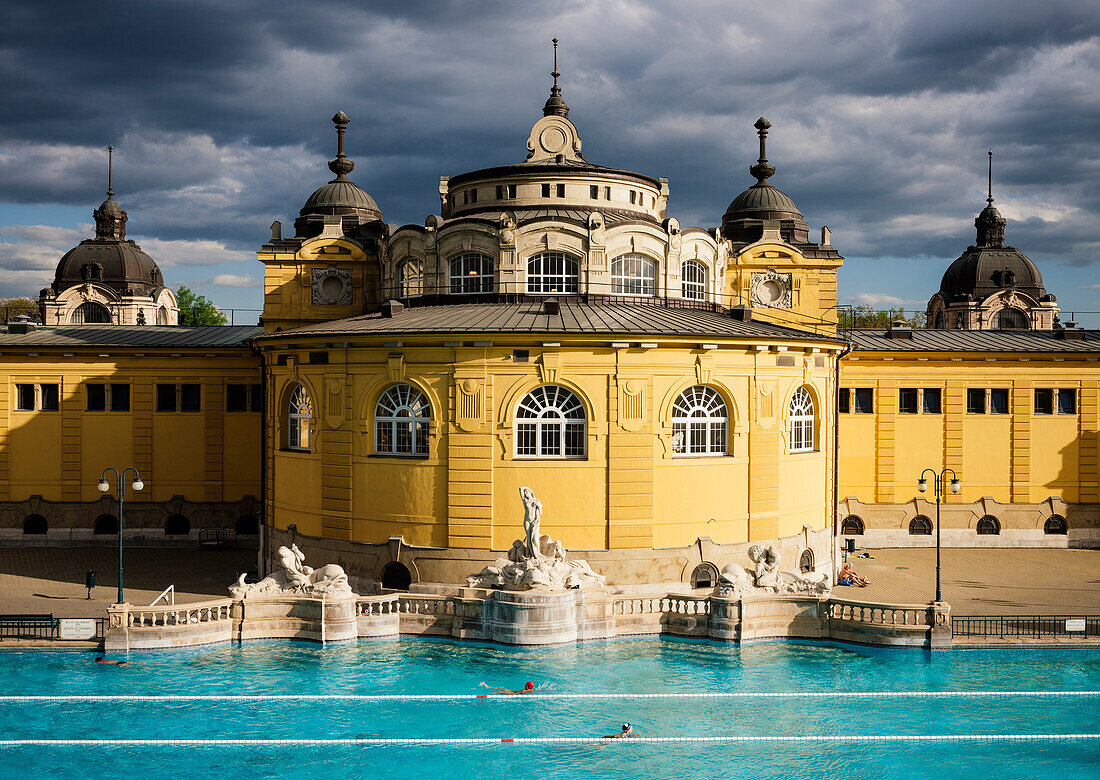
[(341, 197), (762, 201), (120, 265), (340, 194)]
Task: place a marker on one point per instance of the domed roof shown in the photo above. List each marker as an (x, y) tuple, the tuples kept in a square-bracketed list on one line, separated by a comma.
[(744, 220), (339, 197)]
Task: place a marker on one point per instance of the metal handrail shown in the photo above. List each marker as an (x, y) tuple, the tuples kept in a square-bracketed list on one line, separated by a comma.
[(171, 589)]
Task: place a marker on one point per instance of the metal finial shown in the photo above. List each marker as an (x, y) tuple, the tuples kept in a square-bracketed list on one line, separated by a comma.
[(110, 160), (989, 199), (555, 104), (762, 170), (341, 166), (555, 73)]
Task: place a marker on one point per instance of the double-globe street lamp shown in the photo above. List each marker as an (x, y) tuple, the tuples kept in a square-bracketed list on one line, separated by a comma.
[(938, 483), (120, 494)]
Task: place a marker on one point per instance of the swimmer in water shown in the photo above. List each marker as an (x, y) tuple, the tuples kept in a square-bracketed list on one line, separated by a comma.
[(528, 687), (108, 661), (627, 731)]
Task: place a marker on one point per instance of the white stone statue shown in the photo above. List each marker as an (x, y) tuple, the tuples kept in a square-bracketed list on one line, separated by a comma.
[(537, 561), (765, 577), (295, 578)]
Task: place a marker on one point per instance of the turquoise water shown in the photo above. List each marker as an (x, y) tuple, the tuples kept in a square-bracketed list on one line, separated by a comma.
[(420, 667)]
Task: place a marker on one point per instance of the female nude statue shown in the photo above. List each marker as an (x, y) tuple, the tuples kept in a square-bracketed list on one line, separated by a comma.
[(532, 519)]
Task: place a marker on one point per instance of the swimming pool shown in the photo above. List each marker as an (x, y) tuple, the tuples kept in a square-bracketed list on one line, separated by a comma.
[(307, 711)]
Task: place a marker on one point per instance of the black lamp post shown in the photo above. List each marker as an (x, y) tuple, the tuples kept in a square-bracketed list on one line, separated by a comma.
[(938, 483), (120, 487)]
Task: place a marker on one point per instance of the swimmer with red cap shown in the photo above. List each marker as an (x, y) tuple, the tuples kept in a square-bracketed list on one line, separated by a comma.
[(528, 687)]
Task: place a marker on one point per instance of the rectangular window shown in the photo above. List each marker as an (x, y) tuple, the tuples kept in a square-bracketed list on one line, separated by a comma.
[(465, 197), (975, 400), (594, 191), (561, 190), (521, 356), (1044, 402), (546, 190), (933, 400), (845, 401), (865, 400), (607, 193), (25, 398), (166, 398), (190, 398), (908, 400), (1067, 401), (998, 401), (51, 400), (473, 196), (500, 192), (120, 398), (526, 439), (236, 398), (97, 398), (511, 190), (633, 197)]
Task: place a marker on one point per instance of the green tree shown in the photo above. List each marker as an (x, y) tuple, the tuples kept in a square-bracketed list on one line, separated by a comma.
[(867, 317), (197, 310), (11, 308)]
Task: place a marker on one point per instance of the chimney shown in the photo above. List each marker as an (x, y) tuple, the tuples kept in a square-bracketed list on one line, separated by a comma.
[(899, 330), (741, 313), (551, 306), (826, 236), (1069, 332), (392, 308), (22, 324)]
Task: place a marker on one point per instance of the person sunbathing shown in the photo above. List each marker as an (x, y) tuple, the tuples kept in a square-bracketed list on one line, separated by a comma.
[(528, 687), (848, 576)]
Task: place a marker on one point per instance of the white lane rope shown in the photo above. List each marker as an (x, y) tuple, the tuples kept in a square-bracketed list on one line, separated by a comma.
[(276, 697), (381, 741)]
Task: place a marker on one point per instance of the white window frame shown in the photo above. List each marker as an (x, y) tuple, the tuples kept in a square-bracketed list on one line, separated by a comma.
[(691, 288), (407, 286), (803, 422), (402, 419), (551, 423), (471, 273), (633, 274), (700, 423), (299, 420), (563, 277)]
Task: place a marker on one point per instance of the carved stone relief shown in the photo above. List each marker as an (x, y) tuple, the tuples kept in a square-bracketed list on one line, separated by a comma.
[(331, 286), (772, 289)]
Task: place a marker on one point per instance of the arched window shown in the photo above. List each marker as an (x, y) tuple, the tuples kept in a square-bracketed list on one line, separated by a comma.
[(806, 561), (396, 576), (105, 525), (693, 276), (36, 525), (162, 316), (699, 422), (989, 525), (299, 419), (248, 525), (633, 275), (472, 272), (1055, 524), (553, 273), (90, 312), (851, 526), (802, 421), (705, 575), (550, 423), (410, 279), (920, 526), (1011, 319), (401, 422), (177, 525), (939, 322)]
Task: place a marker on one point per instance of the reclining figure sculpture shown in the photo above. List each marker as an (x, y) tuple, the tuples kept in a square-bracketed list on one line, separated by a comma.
[(766, 577), (295, 578), (536, 561)]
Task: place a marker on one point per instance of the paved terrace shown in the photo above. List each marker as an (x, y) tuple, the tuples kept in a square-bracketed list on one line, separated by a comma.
[(975, 582)]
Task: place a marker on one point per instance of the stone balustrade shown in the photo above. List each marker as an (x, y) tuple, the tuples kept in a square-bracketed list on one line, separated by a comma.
[(377, 616), (180, 625)]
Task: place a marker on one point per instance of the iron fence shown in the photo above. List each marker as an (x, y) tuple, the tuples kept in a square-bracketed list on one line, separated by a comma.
[(31, 626), (1025, 626)]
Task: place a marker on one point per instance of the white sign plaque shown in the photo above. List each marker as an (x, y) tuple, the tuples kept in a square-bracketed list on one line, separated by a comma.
[(84, 628), (1075, 624)]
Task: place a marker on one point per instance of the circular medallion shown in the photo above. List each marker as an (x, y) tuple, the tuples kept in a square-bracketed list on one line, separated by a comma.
[(469, 386), (332, 287), (771, 291), (553, 139)]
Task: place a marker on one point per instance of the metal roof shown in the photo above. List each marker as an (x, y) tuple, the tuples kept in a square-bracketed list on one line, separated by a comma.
[(132, 336), (575, 317), (974, 341)]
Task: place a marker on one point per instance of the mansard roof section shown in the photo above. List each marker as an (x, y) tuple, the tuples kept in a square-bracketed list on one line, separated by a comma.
[(151, 336), (958, 341)]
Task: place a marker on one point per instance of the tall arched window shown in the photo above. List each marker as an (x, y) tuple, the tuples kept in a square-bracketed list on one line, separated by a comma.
[(553, 273), (401, 421), (410, 279), (1011, 319), (802, 421), (550, 423), (299, 420), (472, 272), (633, 275), (162, 316), (90, 312), (693, 276), (699, 422), (939, 322)]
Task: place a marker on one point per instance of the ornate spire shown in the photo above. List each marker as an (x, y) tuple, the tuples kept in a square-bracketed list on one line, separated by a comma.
[(341, 166), (762, 170), (555, 104), (110, 219), (990, 223)]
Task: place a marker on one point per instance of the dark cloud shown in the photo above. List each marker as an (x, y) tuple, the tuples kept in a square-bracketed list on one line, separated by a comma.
[(882, 112)]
